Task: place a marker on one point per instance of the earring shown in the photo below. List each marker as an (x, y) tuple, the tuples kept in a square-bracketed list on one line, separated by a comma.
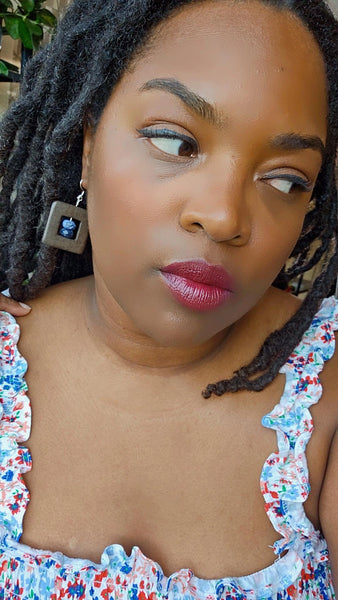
[(311, 205), (67, 226)]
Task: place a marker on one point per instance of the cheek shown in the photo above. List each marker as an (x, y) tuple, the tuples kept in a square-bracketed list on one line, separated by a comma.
[(276, 241), (123, 210)]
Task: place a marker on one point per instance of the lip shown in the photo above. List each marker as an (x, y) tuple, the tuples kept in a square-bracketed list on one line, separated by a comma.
[(198, 285)]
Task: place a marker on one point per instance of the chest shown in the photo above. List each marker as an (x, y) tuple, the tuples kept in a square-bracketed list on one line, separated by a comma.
[(147, 462), (178, 483)]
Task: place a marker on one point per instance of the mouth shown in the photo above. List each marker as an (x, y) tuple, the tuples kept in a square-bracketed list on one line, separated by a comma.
[(198, 285)]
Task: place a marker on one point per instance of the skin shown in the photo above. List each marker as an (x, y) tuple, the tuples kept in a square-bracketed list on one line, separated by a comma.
[(149, 356)]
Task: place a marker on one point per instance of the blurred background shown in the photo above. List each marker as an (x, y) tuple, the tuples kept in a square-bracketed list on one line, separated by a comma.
[(334, 6), (11, 51)]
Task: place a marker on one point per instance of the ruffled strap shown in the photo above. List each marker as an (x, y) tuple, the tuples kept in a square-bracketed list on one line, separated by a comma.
[(15, 423), (284, 479)]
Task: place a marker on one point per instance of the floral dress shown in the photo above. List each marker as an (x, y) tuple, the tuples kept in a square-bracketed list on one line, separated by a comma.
[(303, 572)]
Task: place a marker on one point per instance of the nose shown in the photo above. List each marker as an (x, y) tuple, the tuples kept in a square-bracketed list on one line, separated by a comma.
[(218, 206)]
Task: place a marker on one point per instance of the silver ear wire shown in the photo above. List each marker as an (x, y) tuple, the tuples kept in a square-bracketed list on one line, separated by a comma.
[(81, 196)]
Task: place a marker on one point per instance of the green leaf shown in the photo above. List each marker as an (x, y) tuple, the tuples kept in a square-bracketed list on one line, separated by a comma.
[(30, 34), (5, 4), (34, 27), (27, 5), (25, 35), (36, 41), (10, 66), (45, 17), (3, 68), (12, 25)]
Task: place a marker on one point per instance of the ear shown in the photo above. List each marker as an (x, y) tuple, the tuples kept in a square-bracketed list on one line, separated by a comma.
[(88, 139)]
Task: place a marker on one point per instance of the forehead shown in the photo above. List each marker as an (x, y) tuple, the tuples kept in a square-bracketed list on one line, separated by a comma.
[(260, 58)]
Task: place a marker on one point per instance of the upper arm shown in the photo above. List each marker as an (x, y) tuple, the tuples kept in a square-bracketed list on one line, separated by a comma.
[(328, 511)]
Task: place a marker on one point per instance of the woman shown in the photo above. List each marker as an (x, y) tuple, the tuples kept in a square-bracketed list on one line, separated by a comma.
[(204, 135)]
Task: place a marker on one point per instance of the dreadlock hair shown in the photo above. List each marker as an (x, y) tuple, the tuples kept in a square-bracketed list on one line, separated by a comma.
[(41, 140)]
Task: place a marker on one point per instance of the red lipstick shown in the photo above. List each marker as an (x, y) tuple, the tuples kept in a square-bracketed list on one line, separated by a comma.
[(198, 285)]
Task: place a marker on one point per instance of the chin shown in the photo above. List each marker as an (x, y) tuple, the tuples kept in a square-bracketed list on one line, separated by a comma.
[(176, 331)]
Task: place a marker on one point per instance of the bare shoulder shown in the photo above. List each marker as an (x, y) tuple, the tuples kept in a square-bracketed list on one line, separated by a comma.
[(56, 310), (329, 381), (60, 296), (329, 491), (58, 299)]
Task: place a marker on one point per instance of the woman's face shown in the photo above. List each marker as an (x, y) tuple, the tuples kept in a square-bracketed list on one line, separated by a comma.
[(205, 156)]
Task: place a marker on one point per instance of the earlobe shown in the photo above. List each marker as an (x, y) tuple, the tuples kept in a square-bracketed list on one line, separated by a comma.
[(311, 205), (88, 138)]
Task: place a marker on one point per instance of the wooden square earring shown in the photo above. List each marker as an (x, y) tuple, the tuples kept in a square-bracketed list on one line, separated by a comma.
[(67, 226)]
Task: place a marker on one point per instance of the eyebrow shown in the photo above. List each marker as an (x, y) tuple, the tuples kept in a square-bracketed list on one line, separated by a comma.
[(196, 103), (203, 108), (295, 141)]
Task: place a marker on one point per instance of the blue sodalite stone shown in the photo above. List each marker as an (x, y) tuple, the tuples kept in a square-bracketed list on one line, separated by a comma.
[(68, 229), (68, 224), (67, 233)]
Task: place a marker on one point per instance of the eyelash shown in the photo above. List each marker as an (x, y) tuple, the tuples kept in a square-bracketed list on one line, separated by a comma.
[(170, 135), (298, 183)]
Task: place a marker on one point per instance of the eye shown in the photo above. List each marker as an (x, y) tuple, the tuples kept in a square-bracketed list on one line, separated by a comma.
[(282, 185), (173, 146), (171, 142), (288, 183)]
